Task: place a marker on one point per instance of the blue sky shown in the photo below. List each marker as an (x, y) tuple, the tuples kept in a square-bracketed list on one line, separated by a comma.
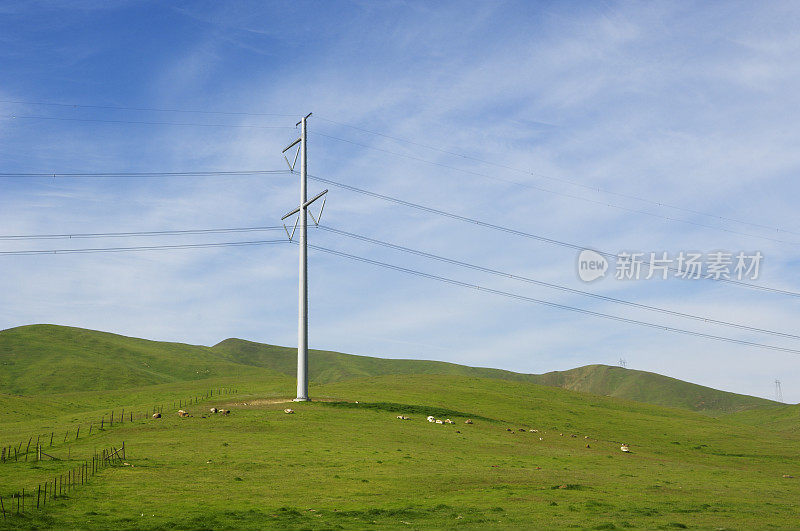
[(692, 105)]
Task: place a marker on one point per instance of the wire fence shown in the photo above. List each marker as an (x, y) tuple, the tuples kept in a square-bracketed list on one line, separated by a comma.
[(36, 498), (32, 447)]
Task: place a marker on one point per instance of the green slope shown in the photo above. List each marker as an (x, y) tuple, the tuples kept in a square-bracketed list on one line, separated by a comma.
[(41, 359), (778, 417), (355, 465), (359, 467), (327, 367), (651, 388)]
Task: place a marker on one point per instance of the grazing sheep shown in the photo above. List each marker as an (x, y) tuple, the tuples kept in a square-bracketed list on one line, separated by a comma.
[(182, 413), (625, 448), (509, 429), (534, 431), (541, 439), (214, 410), (224, 411), (431, 418), (448, 421), (156, 415), (587, 446), (585, 436), (402, 417), (468, 421), (288, 411), (438, 421), (522, 429)]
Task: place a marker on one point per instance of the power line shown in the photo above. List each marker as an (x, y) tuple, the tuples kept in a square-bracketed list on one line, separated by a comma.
[(148, 174), (524, 234), (551, 304), (371, 194), (542, 176), (146, 109), (141, 122), (432, 148), (141, 248), (392, 246), (84, 235), (556, 286), (568, 195)]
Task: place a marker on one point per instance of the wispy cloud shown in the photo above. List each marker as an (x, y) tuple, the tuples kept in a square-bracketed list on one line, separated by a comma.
[(685, 105)]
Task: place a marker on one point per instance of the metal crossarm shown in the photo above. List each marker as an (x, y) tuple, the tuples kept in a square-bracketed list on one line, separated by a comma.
[(302, 223)]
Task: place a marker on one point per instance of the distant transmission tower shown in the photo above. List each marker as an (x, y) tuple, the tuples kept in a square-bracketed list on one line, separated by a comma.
[(778, 392), (623, 363)]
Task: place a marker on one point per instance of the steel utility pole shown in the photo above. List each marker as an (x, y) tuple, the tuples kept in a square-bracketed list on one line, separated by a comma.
[(302, 210)]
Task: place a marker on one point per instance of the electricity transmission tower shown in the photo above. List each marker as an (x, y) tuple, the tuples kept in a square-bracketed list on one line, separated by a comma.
[(302, 210), (778, 392), (623, 363)]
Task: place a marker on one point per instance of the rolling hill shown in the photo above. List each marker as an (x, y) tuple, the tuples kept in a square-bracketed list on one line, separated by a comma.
[(39, 359), (641, 386), (48, 358), (535, 456)]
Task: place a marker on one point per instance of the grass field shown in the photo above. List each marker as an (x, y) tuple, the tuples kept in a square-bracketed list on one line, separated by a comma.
[(336, 463)]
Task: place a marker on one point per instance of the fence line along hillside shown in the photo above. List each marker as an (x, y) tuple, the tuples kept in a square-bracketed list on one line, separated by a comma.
[(22, 450), (27, 500)]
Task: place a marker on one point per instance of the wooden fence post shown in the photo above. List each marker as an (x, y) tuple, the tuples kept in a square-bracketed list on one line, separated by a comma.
[(2, 507)]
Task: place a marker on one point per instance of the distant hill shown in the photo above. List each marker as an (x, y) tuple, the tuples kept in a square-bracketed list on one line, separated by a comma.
[(41, 359), (651, 388), (641, 386)]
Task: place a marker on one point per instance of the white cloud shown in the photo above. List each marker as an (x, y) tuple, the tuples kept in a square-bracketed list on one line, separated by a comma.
[(690, 107)]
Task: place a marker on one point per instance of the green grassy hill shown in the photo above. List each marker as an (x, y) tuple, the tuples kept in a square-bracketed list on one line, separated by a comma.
[(328, 466), (651, 388), (327, 367), (52, 359), (536, 456), (40, 359)]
